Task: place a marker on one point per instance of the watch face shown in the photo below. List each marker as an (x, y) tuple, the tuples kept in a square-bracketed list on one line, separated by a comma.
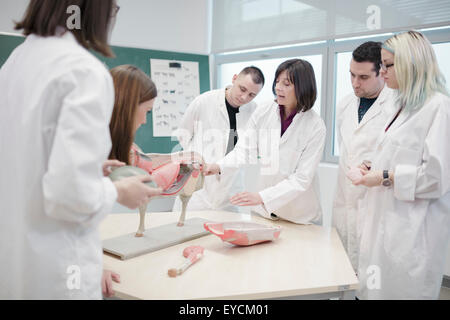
[(386, 182)]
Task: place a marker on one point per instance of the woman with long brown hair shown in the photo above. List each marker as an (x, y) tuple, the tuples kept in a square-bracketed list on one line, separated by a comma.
[(135, 95)]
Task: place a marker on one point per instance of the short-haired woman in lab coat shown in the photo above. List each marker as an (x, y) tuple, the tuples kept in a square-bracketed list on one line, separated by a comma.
[(286, 137), (55, 106), (405, 217)]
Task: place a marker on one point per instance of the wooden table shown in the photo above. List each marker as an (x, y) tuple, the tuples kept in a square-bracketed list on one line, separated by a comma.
[(307, 261)]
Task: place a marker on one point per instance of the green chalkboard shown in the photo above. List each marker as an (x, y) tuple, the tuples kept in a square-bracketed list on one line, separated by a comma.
[(141, 59), (7, 45)]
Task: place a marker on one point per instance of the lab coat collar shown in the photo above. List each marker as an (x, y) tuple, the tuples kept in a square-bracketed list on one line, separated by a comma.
[(402, 117), (289, 130), (225, 118), (67, 35), (374, 110), (222, 106), (60, 32)]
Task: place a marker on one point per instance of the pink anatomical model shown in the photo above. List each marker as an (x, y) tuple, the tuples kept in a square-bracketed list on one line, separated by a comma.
[(177, 174), (192, 255), (243, 233)]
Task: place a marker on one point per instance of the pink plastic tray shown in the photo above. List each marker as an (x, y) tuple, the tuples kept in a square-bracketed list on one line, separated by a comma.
[(243, 233)]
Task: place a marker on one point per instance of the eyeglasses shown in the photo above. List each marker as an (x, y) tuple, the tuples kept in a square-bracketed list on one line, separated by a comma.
[(115, 10), (386, 66)]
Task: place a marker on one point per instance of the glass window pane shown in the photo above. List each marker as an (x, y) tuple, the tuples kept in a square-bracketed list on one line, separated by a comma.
[(442, 51), (268, 67), (343, 87), (244, 24)]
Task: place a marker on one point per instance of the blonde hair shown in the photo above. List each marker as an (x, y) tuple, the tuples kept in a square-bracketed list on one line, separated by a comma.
[(416, 69)]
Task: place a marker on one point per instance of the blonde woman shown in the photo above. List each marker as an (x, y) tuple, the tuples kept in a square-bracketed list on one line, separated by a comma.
[(405, 217)]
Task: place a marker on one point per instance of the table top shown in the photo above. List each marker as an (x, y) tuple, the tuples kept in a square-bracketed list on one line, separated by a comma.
[(305, 259)]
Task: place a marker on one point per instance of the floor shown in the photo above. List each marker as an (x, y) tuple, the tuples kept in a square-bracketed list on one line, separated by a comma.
[(445, 294)]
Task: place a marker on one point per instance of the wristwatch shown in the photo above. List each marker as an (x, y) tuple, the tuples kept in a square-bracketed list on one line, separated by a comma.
[(386, 181)]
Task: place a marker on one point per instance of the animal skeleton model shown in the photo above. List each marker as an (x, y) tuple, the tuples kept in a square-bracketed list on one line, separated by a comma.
[(176, 173)]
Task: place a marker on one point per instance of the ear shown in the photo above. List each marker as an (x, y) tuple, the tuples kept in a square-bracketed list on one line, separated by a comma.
[(234, 78)]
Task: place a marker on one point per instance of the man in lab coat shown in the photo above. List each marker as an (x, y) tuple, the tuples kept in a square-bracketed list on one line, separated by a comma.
[(360, 117), (211, 126)]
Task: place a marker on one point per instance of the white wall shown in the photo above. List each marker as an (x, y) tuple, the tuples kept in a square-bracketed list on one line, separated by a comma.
[(11, 10), (327, 178), (169, 25), (447, 269)]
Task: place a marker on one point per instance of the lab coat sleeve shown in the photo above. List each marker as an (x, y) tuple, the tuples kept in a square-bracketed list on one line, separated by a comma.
[(186, 129), (245, 151), (298, 182), (74, 187), (431, 179)]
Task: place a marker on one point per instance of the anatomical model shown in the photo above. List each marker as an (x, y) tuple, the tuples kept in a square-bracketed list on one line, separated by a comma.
[(176, 173)]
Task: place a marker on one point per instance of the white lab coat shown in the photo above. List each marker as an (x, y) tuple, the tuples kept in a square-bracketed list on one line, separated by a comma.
[(356, 144), (56, 101), (404, 230), (205, 129), (288, 183)]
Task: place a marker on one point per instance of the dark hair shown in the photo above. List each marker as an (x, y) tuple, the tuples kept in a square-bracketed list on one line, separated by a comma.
[(132, 87), (369, 51), (256, 73), (42, 17), (301, 75)]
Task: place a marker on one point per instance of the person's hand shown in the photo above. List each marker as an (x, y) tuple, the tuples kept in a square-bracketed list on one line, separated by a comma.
[(365, 165), (109, 165), (246, 199), (370, 178), (211, 169), (107, 279), (133, 193), (354, 174)]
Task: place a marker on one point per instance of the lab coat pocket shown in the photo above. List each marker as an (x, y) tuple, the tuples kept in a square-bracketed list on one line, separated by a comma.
[(398, 241)]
